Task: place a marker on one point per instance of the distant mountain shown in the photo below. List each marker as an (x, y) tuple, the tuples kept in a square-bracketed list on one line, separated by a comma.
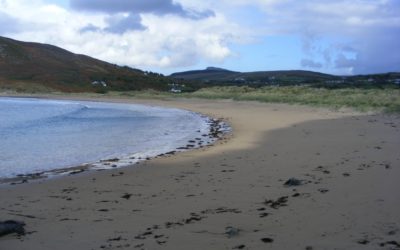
[(212, 74), (42, 66), (218, 76)]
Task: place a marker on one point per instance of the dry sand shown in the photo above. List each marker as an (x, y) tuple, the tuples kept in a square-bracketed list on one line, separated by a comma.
[(231, 195)]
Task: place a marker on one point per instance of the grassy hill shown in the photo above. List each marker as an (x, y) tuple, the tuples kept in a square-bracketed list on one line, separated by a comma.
[(34, 66), (221, 77), (218, 76)]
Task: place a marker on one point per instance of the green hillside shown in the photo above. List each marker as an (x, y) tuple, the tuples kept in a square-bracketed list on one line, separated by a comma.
[(220, 77), (26, 65)]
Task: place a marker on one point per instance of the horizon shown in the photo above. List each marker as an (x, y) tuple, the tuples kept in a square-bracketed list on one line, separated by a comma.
[(333, 37)]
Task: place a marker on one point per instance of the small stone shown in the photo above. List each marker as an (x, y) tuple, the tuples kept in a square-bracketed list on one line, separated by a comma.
[(232, 231), (293, 182), (363, 242), (267, 240), (12, 226)]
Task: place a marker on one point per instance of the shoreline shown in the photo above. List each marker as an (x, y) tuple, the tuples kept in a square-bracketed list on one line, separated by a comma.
[(218, 130), (231, 195)]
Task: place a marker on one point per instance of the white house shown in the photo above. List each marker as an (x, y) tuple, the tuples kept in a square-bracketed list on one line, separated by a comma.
[(102, 83)]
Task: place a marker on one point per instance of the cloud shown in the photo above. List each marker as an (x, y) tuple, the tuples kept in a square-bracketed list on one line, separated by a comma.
[(159, 7), (125, 15), (343, 36), (122, 23), (342, 61), (308, 63), (146, 40), (8, 24), (329, 28), (90, 28)]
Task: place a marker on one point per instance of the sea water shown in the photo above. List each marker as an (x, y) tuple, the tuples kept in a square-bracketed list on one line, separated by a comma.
[(39, 135)]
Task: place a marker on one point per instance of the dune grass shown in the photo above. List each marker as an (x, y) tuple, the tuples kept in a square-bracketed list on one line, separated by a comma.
[(362, 99), (387, 99)]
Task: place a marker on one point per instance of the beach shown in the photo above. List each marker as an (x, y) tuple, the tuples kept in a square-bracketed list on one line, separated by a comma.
[(341, 170)]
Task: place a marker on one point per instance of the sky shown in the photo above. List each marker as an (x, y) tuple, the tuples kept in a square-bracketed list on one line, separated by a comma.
[(342, 37)]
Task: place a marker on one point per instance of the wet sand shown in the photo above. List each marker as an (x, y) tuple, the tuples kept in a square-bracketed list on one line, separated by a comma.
[(344, 195)]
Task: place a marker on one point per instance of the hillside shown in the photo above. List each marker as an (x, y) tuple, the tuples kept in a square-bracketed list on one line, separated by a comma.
[(216, 76), (42, 66)]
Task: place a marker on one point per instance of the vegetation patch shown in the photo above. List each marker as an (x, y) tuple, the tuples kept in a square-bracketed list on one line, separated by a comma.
[(386, 98), (362, 99)]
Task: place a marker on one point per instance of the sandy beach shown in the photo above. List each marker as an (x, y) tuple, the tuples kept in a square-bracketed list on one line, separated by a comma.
[(344, 193)]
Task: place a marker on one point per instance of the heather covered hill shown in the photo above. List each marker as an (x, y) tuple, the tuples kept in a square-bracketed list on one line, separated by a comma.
[(218, 75), (212, 76), (47, 67)]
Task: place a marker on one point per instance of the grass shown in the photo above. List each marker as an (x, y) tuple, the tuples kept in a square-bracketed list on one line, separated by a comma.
[(362, 99), (385, 99)]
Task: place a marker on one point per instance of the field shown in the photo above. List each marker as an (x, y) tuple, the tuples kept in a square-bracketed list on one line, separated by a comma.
[(362, 99)]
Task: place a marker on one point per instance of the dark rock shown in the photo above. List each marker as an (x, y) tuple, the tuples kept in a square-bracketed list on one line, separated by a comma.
[(275, 204), (293, 182), (267, 240), (115, 239), (232, 231), (126, 196), (12, 226), (111, 160), (239, 247), (77, 171), (323, 190), (193, 218), (363, 242), (394, 243)]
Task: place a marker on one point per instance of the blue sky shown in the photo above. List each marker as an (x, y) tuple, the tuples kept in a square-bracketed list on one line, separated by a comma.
[(338, 37)]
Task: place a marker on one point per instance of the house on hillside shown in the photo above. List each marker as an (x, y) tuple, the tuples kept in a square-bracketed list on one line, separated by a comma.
[(176, 88), (395, 81), (101, 83)]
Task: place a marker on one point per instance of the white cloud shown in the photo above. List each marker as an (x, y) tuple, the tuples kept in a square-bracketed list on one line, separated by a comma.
[(166, 41), (365, 25), (185, 32)]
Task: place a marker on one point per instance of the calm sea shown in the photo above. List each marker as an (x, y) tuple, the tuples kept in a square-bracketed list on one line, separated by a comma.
[(40, 135)]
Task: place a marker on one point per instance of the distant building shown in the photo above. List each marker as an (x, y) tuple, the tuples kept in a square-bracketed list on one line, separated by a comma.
[(174, 90), (102, 83), (335, 81), (240, 79)]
